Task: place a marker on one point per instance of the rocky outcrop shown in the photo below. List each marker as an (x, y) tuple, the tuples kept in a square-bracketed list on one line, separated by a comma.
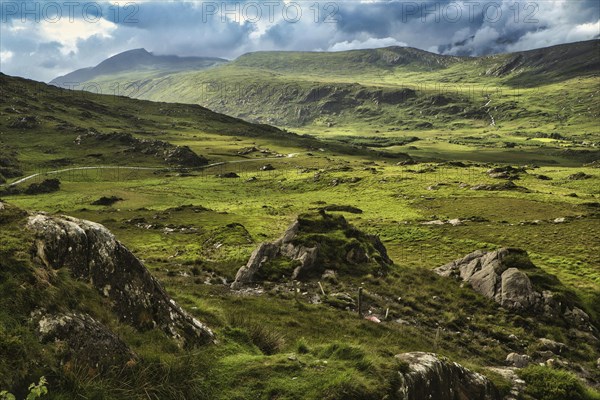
[(181, 156), (86, 341), (509, 185), (499, 275), (317, 252), (489, 275), (430, 376), (92, 254), (283, 247)]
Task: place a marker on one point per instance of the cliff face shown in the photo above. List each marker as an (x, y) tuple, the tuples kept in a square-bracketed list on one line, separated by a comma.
[(92, 254)]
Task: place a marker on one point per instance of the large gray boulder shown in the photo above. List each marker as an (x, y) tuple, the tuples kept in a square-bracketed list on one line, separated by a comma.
[(92, 254), (430, 376), (494, 275), (490, 275)]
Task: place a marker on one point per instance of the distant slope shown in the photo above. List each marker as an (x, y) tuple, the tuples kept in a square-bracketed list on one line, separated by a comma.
[(138, 60), (43, 128), (394, 88), (352, 61)]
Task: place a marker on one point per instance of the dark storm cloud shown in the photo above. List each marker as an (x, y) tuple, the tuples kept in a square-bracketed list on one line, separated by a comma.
[(86, 34)]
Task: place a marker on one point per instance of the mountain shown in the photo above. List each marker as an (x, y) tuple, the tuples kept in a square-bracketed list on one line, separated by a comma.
[(365, 92), (138, 60)]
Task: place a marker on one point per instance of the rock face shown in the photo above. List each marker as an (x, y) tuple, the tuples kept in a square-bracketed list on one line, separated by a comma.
[(308, 256), (92, 254), (88, 342), (431, 377), (494, 275), (490, 276)]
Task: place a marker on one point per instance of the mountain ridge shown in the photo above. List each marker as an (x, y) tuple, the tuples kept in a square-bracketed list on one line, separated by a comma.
[(136, 58)]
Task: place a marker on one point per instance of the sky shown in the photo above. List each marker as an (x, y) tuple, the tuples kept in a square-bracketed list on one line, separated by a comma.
[(44, 39)]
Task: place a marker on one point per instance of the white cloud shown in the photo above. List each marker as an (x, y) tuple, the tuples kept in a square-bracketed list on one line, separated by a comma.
[(370, 43), (557, 35), (68, 33), (6, 55)]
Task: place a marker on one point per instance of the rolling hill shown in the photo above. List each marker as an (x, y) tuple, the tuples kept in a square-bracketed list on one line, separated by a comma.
[(378, 89), (247, 261), (382, 98)]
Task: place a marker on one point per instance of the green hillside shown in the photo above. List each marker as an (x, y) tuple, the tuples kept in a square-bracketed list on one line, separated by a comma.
[(453, 104), (194, 227)]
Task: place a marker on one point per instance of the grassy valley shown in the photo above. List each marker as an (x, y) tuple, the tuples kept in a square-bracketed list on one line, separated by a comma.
[(452, 104), (193, 193)]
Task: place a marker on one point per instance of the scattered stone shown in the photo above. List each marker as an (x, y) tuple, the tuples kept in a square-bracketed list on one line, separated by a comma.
[(436, 186), (228, 175), (543, 177), (252, 179), (46, 186), (579, 176), (434, 222), (496, 275), (291, 255), (175, 155), (267, 167), (453, 222), (490, 276), (106, 201), (329, 276), (431, 376), (518, 360), (26, 122), (509, 185), (88, 342), (247, 150), (559, 220)]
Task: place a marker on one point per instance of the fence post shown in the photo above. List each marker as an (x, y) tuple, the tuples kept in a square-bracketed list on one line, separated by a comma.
[(360, 294)]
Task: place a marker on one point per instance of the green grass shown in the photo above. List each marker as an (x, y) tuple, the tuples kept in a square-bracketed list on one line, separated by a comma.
[(195, 230)]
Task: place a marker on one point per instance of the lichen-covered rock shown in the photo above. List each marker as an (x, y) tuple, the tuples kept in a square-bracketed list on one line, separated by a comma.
[(84, 341), (490, 275), (518, 360), (92, 254), (430, 376), (312, 244), (496, 276)]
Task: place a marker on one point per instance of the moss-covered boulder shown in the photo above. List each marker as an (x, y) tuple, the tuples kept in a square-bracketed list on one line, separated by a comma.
[(313, 243)]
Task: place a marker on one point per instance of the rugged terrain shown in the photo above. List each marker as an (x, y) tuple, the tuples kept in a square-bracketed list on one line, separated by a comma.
[(477, 276)]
